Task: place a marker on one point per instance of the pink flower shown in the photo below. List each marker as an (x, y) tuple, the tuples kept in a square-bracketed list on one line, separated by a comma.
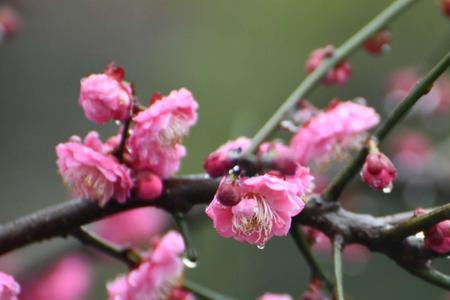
[(220, 161), (280, 156), (270, 296), (155, 143), (133, 227), (337, 75), (158, 277), (267, 205), (9, 288), (90, 173), (106, 97), (68, 279), (437, 237), (445, 7), (9, 22), (378, 171), (329, 135), (378, 43)]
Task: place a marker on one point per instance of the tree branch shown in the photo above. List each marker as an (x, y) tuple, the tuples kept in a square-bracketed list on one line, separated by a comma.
[(336, 186), (308, 84), (316, 269)]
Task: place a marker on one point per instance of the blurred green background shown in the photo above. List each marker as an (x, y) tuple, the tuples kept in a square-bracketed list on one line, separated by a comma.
[(240, 59)]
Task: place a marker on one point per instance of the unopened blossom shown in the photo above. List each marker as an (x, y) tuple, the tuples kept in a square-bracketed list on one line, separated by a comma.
[(9, 22), (330, 135), (9, 288), (437, 237), (155, 144), (271, 296), (221, 160), (133, 227), (148, 186), (267, 205), (378, 171), (229, 191), (105, 97), (69, 278), (378, 43), (91, 173), (339, 74), (314, 291), (445, 7), (158, 277)]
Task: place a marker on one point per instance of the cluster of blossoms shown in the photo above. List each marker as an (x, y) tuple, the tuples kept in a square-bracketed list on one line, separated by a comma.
[(148, 149)]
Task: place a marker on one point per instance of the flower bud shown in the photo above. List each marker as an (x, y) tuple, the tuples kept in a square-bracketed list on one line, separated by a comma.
[(337, 75), (379, 172), (229, 192), (437, 237), (378, 43), (445, 7), (148, 186)]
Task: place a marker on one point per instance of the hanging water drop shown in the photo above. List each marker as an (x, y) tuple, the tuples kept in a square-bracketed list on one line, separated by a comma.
[(388, 188), (117, 122), (189, 263), (261, 246)]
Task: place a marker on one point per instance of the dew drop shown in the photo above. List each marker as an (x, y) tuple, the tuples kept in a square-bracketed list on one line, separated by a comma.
[(388, 188), (189, 263), (261, 246), (117, 122)]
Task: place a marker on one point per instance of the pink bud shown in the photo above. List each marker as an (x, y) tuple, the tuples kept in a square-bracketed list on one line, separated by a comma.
[(337, 75), (445, 7), (149, 186), (437, 237), (115, 71), (378, 43), (229, 192), (379, 172)]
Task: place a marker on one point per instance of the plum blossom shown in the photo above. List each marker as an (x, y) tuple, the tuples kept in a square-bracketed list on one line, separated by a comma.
[(9, 288), (270, 296), (221, 160), (280, 156), (337, 75), (155, 144), (68, 279), (133, 227), (91, 173), (329, 135), (158, 277), (267, 205), (105, 97), (378, 171)]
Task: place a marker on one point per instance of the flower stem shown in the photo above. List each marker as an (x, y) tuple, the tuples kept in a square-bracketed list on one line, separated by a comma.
[(419, 223), (202, 292), (339, 182), (346, 49), (431, 275), (316, 269), (124, 254), (337, 264), (191, 253)]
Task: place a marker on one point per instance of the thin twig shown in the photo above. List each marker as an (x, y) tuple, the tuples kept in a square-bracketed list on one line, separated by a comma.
[(430, 275), (339, 182), (419, 223), (202, 292), (316, 269), (124, 254), (308, 84), (337, 264)]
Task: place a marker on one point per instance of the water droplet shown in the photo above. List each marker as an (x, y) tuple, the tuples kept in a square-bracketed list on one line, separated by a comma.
[(388, 188), (117, 122), (261, 246), (189, 263)]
